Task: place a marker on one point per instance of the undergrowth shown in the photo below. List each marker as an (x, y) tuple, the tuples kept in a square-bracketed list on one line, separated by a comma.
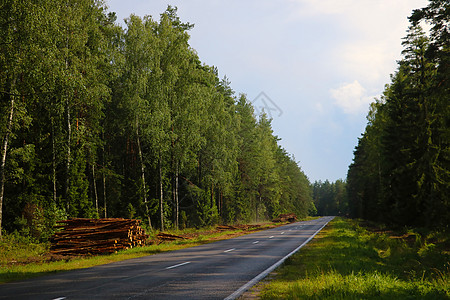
[(16, 248)]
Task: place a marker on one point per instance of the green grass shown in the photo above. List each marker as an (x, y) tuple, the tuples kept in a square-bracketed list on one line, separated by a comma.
[(347, 261)]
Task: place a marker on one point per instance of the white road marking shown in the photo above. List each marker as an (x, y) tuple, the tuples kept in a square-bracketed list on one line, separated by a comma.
[(255, 242), (229, 250), (60, 298), (179, 265), (252, 282), (270, 237)]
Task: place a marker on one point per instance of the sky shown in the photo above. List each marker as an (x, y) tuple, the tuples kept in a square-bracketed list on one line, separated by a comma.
[(314, 66)]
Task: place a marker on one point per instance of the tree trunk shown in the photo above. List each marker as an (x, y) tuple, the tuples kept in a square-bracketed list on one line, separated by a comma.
[(177, 204), (144, 192), (3, 162), (54, 164), (212, 193), (69, 136), (95, 188), (256, 206), (104, 175), (199, 170), (220, 203), (104, 193), (161, 196), (69, 128)]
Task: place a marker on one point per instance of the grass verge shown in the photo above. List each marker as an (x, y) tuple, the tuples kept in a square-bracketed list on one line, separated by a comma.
[(349, 261)]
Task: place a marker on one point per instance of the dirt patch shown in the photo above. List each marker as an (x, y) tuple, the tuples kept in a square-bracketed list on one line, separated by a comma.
[(409, 238)]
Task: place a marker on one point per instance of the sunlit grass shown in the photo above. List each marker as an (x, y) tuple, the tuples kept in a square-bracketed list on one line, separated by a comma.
[(346, 261), (372, 285)]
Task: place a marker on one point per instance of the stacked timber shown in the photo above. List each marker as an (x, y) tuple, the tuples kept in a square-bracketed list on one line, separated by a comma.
[(226, 227), (237, 227), (286, 218), (164, 237), (96, 236)]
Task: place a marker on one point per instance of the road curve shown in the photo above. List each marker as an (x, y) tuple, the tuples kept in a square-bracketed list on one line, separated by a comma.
[(220, 270)]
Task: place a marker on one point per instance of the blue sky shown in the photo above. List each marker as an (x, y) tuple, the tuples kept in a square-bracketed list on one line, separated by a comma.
[(318, 63)]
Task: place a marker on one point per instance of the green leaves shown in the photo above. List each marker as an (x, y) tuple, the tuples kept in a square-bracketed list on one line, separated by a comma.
[(131, 122)]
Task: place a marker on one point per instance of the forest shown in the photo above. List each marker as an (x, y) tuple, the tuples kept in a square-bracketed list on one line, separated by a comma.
[(330, 198), (98, 120), (400, 173)]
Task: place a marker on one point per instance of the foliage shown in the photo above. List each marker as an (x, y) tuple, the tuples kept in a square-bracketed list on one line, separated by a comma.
[(401, 168), (103, 121), (16, 247), (330, 199)]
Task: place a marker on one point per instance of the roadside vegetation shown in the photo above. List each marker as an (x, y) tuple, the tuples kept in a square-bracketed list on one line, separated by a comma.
[(22, 258), (352, 259)]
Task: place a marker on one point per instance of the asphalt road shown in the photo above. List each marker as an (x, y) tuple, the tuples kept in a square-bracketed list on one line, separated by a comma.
[(219, 270)]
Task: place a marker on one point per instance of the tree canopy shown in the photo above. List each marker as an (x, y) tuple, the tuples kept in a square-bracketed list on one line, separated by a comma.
[(103, 121), (401, 168)]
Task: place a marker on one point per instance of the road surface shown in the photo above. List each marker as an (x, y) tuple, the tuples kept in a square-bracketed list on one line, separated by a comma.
[(220, 270)]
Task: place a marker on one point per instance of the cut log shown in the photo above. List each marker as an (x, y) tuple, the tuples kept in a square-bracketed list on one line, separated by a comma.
[(83, 236), (226, 227), (162, 236)]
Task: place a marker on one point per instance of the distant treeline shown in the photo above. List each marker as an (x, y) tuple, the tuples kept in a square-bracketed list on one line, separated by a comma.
[(400, 173), (103, 121), (330, 198)]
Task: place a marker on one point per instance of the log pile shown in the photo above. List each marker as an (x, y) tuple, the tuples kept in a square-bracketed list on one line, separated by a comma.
[(237, 227), (163, 237), (226, 227), (286, 218), (96, 236)]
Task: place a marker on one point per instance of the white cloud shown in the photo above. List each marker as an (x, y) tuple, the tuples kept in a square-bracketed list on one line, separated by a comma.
[(352, 98), (370, 33)]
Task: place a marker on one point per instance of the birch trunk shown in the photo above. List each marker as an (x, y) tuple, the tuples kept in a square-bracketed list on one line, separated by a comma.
[(144, 192), (69, 128), (54, 164), (161, 196), (104, 176), (69, 139), (177, 204), (3, 162), (104, 193), (95, 188)]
